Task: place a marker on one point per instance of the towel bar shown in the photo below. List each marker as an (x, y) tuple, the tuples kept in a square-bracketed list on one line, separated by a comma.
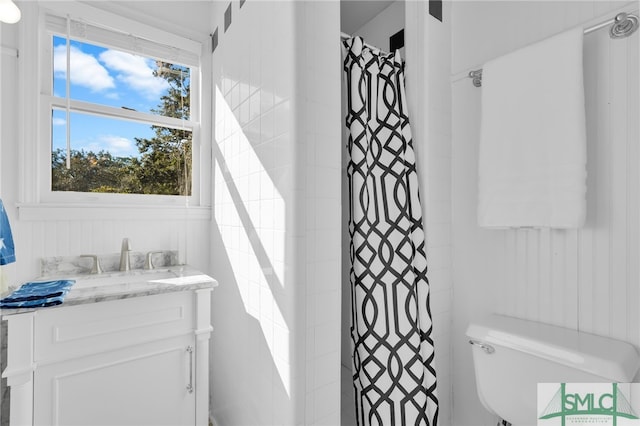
[(622, 25)]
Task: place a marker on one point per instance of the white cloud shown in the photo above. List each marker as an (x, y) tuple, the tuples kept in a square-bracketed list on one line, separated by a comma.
[(136, 72), (58, 121), (85, 69), (116, 145)]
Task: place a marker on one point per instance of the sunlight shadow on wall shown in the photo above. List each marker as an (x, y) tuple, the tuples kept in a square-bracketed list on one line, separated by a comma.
[(250, 213)]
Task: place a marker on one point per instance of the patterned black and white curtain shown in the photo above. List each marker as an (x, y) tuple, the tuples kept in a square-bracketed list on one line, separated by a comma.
[(391, 329)]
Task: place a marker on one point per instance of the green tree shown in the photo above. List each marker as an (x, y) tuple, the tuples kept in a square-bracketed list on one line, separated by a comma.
[(166, 158), (165, 162), (91, 172)]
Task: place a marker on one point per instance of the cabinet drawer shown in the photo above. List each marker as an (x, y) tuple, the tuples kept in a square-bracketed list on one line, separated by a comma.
[(75, 331)]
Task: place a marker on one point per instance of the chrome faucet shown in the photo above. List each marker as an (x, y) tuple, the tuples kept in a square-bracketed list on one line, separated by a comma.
[(148, 264), (95, 266), (124, 255)]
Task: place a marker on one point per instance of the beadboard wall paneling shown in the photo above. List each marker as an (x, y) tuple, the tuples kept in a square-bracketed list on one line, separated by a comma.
[(584, 279), (44, 238)]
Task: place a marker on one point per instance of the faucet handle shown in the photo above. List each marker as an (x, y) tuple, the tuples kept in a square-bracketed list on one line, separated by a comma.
[(148, 264), (95, 266)]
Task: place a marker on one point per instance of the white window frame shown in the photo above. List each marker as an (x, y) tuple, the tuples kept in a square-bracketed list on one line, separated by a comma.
[(107, 29)]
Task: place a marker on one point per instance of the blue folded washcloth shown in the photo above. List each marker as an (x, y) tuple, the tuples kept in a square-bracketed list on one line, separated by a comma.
[(38, 294)]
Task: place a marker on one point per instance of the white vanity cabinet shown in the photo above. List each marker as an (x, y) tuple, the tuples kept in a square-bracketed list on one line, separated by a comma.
[(133, 361)]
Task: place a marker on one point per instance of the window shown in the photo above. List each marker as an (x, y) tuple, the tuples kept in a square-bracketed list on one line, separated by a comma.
[(118, 111)]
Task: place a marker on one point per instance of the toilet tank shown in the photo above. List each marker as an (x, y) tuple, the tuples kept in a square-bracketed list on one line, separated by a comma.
[(511, 356)]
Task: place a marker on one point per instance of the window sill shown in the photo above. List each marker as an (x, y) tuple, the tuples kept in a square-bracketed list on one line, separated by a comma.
[(70, 211)]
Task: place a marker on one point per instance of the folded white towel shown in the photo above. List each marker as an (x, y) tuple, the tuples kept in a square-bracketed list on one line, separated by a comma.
[(533, 153)]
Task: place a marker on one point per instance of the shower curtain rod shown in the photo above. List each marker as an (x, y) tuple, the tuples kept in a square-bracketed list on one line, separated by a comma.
[(344, 36), (622, 25)]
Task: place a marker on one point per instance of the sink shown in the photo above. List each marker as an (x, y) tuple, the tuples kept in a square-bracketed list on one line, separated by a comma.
[(127, 277), (115, 285)]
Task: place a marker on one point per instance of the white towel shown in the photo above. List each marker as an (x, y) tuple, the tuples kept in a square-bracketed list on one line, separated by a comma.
[(533, 153)]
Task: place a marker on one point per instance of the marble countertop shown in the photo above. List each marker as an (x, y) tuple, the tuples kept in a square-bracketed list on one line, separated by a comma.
[(93, 288)]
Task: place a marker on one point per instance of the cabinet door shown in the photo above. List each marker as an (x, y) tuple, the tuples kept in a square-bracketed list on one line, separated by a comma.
[(139, 385)]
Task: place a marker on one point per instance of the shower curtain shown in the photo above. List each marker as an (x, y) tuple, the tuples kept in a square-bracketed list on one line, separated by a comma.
[(393, 373)]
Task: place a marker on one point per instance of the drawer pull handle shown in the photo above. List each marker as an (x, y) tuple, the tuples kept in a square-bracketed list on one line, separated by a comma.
[(190, 385)]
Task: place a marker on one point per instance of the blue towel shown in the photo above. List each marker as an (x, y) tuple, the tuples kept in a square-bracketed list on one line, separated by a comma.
[(7, 249), (38, 294)]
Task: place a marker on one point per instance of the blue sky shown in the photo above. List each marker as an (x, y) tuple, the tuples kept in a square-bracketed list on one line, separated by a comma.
[(108, 77)]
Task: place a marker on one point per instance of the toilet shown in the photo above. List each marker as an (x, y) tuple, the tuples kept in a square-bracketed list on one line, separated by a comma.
[(511, 356)]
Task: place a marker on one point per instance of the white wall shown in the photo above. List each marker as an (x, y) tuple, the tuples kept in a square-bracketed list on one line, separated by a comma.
[(190, 18), (377, 31), (319, 129), (586, 279), (8, 151), (428, 50), (277, 216)]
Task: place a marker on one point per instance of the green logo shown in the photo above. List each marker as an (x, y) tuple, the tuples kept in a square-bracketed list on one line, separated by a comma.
[(565, 404)]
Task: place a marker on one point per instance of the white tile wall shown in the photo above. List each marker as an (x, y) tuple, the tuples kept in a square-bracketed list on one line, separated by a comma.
[(320, 78), (429, 42), (585, 279), (251, 368), (277, 223)]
